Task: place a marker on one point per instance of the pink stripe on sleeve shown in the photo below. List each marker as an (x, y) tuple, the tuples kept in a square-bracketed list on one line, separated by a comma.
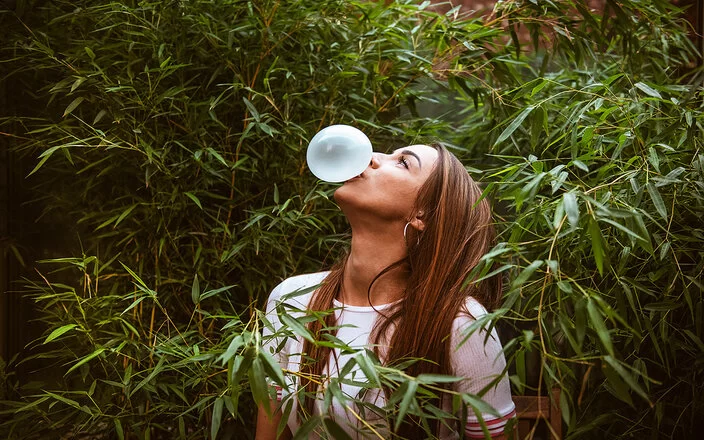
[(494, 426)]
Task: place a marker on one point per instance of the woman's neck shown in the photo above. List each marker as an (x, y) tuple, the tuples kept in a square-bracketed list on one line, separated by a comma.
[(370, 254)]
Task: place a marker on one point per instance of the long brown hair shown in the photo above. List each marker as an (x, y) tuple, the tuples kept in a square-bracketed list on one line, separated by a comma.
[(458, 232)]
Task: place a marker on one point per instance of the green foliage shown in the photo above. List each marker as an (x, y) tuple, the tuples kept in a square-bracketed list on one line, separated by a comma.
[(170, 137)]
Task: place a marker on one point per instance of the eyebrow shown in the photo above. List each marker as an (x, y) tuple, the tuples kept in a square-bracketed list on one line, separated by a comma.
[(410, 153)]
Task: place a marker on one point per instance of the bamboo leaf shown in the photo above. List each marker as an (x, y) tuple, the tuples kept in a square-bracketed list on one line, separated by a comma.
[(272, 368), (695, 339), (77, 83), (72, 106), (597, 240), (479, 405), (598, 322), (367, 368), (335, 430), (181, 427), (236, 343), (125, 213), (158, 368), (571, 208), (195, 290), (626, 376), (621, 227), (296, 326), (618, 386), (642, 231), (69, 402), (161, 66), (107, 222), (217, 417), (648, 90), (657, 200), (526, 273), (58, 332), (118, 429), (32, 404), (252, 110), (213, 292), (85, 359), (135, 276), (436, 378), (194, 198), (44, 157), (217, 156), (409, 396), (134, 304), (99, 116), (307, 428), (508, 131), (257, 383)]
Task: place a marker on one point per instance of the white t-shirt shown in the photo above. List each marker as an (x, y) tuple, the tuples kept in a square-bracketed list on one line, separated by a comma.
[(478, 362)]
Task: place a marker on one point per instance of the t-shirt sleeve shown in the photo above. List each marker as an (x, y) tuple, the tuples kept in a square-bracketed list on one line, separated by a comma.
[(481, 362), (291, 297)]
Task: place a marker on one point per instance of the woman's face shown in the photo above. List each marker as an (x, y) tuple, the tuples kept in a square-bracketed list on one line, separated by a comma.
[(389, 186)]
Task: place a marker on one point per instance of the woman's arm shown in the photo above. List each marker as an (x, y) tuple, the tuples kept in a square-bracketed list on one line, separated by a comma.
[(267, 425), (480, 360)]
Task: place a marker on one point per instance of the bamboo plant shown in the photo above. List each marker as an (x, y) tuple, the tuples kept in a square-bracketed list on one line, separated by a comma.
[(169, 139)]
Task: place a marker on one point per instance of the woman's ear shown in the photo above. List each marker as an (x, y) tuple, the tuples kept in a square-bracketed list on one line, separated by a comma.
[(417, 222)]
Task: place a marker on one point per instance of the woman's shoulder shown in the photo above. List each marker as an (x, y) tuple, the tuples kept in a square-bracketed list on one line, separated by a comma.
[(474, 336), (472, 311), (473, 318), (298, 286)]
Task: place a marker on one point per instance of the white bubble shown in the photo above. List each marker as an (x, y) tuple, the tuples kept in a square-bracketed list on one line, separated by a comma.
[(338, 153)]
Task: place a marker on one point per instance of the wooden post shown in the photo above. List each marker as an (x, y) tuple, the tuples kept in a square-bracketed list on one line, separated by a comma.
[(531, 409)]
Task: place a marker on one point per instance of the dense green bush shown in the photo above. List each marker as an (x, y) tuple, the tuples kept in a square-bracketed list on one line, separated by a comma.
[(169, 140)]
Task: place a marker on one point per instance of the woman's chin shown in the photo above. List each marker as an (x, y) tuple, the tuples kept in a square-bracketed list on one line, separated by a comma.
[(342, 197), (342, 193)]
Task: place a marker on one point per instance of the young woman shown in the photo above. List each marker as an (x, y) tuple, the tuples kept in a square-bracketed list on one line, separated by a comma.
[(403, 291)]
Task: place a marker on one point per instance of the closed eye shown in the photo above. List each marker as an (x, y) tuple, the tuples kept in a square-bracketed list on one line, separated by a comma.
[(402, 160)]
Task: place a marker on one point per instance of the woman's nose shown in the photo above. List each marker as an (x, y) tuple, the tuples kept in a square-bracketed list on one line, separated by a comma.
[(376, 160)]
